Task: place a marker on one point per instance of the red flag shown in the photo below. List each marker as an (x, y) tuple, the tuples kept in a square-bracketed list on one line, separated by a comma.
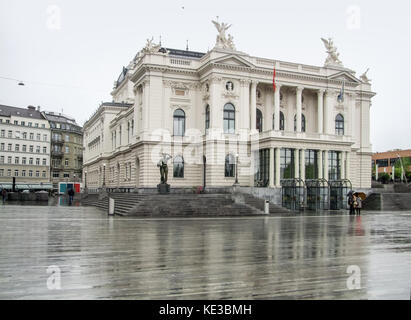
[(274, 86)]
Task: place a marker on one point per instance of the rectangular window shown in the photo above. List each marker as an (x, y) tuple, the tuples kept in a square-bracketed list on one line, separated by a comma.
[(66, 175), (3, 132), (37, 161), (44, 137), (9, 160), (67, 138), (1, 172), (30, 173), (262, 168), (23, 173), (17, 134), (37, 174), (44, 149), (382, 162), (16, 160), (44, 162), (287, 163), (23, 123), (9, 172), (56, 174), (2, 147), (24, 148), (23, 160), (36, 125), (31, 148), (43, 174), (38, 136), (334, 169), (43, 125), (16, 173), (1, 159), (31, 136), (24, 135), (16, 122), (37, 149), (31, 161), (67, 149), (66, 162), (17, 147), (10, 134), (311, 164), (9, 147)]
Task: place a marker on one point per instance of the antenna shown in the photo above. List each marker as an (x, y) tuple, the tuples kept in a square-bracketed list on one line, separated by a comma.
[(187, 46), (160, 41)]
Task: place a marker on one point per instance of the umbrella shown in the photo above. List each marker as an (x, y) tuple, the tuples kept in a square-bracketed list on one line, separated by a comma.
[(362, 195)]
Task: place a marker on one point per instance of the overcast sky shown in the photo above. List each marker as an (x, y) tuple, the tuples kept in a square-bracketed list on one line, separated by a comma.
[(70, 52)]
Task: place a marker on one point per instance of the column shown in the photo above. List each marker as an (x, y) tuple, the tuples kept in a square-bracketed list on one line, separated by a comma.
[(320, 164), (342, 165), (320, 111), (277, 167), (329, 95), (253, 106), (272, 156), (296, 163), (326, 164), (146, 105), (299, 92), (215, 120), (277, 107), (348, 165), (302, 164)]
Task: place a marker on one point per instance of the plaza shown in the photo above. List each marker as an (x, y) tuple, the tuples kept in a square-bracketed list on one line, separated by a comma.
[(275, 257)]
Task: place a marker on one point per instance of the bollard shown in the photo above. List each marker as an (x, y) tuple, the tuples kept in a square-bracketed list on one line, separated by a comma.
[(110, 206), (267, 207)]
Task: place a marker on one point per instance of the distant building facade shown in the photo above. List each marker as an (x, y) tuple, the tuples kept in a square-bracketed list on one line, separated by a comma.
[(24, 146), (66, 148), (219, 117), (384, 162)]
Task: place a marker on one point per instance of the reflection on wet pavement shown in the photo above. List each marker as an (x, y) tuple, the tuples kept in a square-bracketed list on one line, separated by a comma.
[(199, 258)]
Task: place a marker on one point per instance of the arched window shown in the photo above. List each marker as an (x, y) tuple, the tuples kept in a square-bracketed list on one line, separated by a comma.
[(281, 120), (207, 118), (339, 125), (229, 118), (229, 167), (259, 120), (178, 167), (179, 122), (302, 123)]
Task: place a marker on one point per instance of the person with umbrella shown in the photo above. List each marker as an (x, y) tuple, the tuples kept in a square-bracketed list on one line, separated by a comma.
[(351, 202)]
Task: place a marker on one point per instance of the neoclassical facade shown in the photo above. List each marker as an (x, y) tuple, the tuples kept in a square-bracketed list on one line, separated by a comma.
[(223, 122)]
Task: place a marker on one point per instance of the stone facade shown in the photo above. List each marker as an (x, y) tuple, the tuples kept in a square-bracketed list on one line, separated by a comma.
[(25, 146), (66, 148), (213, 112)]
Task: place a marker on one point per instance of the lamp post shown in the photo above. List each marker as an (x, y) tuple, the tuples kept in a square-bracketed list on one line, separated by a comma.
[(236, 170), (85, 179), (104, 175)]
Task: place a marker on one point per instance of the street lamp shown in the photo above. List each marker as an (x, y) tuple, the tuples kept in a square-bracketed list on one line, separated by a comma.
[(85, 179), (104, 175), (236, 170)]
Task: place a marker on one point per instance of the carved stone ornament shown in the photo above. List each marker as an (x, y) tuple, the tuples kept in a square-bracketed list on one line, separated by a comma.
[(223, 41), (151, 47), (333, 55), (364, 78)]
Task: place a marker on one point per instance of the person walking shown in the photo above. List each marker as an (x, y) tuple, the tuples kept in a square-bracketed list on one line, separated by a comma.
[(359, 205), (71, 196), (4, 195), (351, 202)]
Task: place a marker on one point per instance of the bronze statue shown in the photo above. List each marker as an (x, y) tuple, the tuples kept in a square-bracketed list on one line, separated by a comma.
[(162, 164)]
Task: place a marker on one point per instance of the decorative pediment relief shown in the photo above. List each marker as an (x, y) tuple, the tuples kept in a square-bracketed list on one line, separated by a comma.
[(234, 60), (344, 76)]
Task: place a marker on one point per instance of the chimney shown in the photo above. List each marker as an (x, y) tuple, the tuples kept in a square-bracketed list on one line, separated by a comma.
[(31, 108), (38, 108)]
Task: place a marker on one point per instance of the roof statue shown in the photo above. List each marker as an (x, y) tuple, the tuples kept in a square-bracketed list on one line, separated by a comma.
[(222, 41), (151, 47), (332, 59), (364, 78)]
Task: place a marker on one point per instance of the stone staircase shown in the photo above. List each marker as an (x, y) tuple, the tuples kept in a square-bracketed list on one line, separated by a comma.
[(179, 205), (388, 202)]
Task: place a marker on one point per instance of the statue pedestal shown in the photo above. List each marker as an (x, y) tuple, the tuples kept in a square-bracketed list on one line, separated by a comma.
[(163, 188)]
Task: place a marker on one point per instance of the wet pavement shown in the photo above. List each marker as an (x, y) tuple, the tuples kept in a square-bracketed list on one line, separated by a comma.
[(296, 257)]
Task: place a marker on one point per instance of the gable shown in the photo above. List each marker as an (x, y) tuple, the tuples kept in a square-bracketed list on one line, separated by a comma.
[(234, 60), (344, 76)]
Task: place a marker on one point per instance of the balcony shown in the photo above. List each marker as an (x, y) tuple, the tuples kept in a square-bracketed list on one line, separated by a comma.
[(57, 141), (57, 154)]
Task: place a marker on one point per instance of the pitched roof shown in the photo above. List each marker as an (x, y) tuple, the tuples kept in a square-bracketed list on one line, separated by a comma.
[(8, 111)]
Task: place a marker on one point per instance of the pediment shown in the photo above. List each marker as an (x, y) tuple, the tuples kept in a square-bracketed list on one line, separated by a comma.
[(234, 60), (344, 76)]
